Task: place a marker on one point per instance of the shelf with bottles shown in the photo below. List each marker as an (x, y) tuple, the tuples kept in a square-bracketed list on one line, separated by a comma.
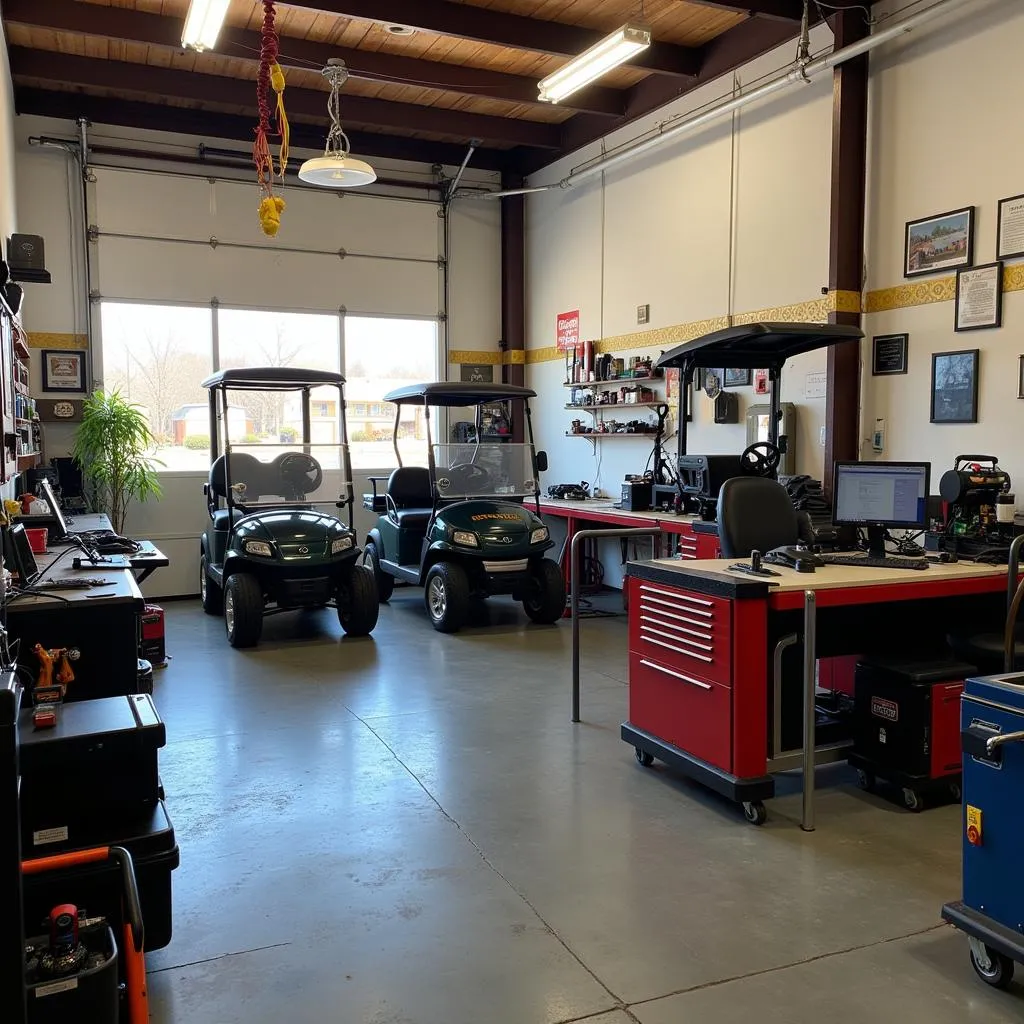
[(601, 435), (601, 406)]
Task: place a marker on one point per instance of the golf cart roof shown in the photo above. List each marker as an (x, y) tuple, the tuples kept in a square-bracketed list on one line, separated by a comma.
[(452, 393), (271, 378), (757, 346)]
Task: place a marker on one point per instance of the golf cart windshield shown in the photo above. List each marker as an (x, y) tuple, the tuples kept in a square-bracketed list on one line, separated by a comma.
[(501, 469), (284, 475)]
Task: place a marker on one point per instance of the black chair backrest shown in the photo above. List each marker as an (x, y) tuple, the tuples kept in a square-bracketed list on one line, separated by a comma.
[(245, 469), (755, 513), (409, 487)]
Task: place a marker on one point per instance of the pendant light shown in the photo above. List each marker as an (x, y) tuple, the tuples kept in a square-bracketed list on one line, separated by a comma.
[(336, 169)]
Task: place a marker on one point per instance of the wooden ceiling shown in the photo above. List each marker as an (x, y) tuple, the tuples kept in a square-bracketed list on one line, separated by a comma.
[(468, 71)]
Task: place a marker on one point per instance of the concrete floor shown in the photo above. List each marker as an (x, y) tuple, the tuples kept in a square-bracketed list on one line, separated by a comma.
[(408, 830)]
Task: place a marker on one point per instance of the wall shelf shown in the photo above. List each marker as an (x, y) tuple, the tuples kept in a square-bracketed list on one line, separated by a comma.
[(611, 385), (617, 405), (601, 436)]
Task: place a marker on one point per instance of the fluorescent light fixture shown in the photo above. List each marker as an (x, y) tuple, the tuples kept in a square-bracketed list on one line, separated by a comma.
[(590, 65), (203, 23), (337, 171)]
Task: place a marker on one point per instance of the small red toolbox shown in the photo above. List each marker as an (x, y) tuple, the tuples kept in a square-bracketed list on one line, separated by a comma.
[(153, 647)]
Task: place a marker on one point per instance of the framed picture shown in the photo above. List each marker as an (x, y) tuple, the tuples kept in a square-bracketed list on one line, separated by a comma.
[(63, 370), (889, 354), (942, 242), (736, 378), (1020, 376), (979, 297), (955, 387), (1010, 235)]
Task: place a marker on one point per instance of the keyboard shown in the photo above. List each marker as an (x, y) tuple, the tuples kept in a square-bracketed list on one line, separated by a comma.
[(872, 562)]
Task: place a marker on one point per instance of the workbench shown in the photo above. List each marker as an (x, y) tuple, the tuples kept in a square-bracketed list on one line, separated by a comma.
[(714, 655)]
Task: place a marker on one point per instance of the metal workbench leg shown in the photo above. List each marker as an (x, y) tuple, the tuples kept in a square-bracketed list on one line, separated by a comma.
[(810, 644)]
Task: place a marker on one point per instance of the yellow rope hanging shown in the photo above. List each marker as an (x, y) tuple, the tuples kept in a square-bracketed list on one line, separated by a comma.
[(270, 214), (270, 77), (283, 128)]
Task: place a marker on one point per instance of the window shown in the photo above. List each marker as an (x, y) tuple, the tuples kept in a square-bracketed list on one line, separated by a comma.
[(158, 357), (382, 354)]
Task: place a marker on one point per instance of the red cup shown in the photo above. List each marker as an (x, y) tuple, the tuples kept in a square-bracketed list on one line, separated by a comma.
[(37, 538)]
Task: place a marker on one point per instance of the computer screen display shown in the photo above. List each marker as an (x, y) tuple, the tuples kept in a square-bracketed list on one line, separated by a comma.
[(21, 555), (58, 514), (883, 493)]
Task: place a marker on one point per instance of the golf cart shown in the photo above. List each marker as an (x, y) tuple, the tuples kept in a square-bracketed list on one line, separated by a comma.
[(460, 527), (275, 540)]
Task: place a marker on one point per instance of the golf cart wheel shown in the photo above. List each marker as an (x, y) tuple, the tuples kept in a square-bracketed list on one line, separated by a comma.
[(243, 610), (446, 595), (385, 583), (993, 968), (545, 601), (211, 594), (358, 603)]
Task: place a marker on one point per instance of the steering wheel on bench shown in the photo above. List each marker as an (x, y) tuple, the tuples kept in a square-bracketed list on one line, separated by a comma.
[(760, 459)]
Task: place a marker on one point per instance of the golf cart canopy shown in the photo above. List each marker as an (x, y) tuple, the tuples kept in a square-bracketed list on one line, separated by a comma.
[(272, 378), (763, 346), (452, 394)]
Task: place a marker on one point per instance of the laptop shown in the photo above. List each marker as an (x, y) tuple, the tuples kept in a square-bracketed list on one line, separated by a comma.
[(18, 553)]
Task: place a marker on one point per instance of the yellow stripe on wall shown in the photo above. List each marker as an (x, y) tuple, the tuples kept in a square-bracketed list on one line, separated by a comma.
[(43, 339)]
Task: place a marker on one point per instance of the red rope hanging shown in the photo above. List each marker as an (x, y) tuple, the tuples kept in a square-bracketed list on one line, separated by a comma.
[(271, 205)]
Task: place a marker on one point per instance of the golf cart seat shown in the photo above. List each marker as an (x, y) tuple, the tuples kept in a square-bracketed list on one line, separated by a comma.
[(245, 469), (409, 498)]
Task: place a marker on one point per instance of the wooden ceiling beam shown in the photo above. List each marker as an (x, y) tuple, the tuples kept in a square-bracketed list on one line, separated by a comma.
[(784, 10), (157, 30), (214, 126), (47, 66), (483, 25)]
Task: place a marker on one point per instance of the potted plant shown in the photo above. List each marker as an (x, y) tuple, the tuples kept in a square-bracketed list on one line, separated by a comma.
[(112, 448)]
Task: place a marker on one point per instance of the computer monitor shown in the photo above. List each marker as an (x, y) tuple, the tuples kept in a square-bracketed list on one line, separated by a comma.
[(19, 555), (877, 495), (58, 513)]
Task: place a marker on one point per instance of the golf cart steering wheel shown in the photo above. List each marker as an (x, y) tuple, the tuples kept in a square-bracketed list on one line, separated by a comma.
[(301, 474), (468, 476), (760, 459)]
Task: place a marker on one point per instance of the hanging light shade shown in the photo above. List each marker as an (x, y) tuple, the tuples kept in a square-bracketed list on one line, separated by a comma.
[(336, 168)]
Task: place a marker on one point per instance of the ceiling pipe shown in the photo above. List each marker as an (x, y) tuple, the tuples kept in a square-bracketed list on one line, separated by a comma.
[(802, 73)]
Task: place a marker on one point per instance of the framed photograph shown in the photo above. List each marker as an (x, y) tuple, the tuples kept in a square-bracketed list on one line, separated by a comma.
[(1010, 236), (979, 297), (889, 354), (1020, 376), (736, 378), (63, 370), (942, 242), (955, 387)]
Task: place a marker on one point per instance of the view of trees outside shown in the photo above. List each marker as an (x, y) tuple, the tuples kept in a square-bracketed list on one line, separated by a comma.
[(158, 355)]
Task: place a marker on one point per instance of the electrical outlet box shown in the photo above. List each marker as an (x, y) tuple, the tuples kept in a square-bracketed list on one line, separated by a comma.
[(821, 437), (643, 313), (878, 437)]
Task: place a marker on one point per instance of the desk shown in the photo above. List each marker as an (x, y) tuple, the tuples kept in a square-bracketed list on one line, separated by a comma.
[(714, 680)]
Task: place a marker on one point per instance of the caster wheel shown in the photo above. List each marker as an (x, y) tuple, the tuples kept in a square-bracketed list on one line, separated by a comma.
[(954, 791), (866, 780), (754, 812), (993, 968), (643, 757), (912, 800)]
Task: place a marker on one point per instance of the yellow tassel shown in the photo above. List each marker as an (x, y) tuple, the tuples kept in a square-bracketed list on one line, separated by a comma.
[(270, 214), (277, 83)]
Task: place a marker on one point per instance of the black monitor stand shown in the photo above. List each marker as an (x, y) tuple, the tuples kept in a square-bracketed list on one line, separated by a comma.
[(876, 541)]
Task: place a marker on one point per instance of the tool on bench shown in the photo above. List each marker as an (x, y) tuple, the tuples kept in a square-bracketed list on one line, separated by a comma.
[(755, 568)]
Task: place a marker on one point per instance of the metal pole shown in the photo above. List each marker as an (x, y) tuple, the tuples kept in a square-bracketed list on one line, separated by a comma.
[(810, 658), (574, 595)]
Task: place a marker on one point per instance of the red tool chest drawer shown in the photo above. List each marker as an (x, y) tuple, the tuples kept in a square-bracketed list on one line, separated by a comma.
[(687, 632), (687, 711)]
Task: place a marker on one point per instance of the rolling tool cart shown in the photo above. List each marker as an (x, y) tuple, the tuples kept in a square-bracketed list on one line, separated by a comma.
[(991, 912)]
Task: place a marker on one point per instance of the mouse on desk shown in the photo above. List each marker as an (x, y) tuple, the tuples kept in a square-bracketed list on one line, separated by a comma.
[(800, 559)]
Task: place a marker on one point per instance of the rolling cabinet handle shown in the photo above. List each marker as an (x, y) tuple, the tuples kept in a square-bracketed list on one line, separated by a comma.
[(680, 639), (669, 604), (677, 618), (676, 595), (678, 650), (676, 675), (677, 628)]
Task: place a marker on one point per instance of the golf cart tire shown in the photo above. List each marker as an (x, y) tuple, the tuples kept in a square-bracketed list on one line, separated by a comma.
[(358, 603), (547, 605), (450, 614), (244, 617), (385, 583), (210, 592)]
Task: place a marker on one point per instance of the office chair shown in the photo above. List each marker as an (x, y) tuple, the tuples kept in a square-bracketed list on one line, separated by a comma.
[(756, 514), (1003, 651)]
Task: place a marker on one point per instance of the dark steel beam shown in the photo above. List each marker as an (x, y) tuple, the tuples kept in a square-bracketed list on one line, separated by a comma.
[(513, 286), (213, 126), (785, 10), (846, 241), (157, 30), (483, 25), (48, 66)]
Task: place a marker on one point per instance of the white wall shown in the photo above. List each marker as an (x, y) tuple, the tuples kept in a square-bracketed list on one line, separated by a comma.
[(957, 82)]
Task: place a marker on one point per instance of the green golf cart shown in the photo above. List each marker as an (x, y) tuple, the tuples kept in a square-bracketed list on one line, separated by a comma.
[(460, 527), (275, 540)]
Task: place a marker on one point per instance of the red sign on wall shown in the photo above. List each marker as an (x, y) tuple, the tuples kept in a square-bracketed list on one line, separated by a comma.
[(567, 330)]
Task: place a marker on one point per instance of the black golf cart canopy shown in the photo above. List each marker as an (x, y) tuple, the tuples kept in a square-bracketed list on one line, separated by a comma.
[(762, 346), (453, 394), (272, 378)]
